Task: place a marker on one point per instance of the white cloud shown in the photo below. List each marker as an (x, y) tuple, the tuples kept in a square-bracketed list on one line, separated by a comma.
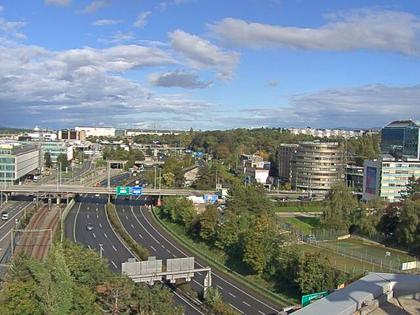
[(201, 54), (382, 30), (10, 29), (95, 6), (106, 22), (119, 38), (142, 19), (359, 107), (1, 8), (62, 3), (181, 79)]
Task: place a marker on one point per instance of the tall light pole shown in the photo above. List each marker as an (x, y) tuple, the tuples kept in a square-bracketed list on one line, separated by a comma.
[(101, 248)]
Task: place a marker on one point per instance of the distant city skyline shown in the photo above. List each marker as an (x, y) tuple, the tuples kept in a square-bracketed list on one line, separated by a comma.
[(207, 64)]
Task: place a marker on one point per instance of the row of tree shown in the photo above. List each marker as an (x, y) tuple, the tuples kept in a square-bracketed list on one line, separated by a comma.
[(73, 280), (250, 236)]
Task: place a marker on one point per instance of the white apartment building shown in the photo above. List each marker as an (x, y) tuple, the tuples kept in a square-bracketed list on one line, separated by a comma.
[(97, 131)]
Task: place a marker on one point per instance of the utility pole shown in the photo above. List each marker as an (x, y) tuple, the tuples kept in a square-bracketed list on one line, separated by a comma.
[(160, 178), (101, 248), (154, 184)]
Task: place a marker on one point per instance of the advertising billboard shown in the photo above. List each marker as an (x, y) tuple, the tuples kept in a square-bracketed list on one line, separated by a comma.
[(371, 180)]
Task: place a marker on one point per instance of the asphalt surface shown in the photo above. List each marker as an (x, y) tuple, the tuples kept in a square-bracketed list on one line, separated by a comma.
[(15, 210), (138, 221), (92, 210)]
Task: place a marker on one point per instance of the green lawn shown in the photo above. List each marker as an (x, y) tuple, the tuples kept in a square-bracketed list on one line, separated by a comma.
[(304, 224), (300, 207)]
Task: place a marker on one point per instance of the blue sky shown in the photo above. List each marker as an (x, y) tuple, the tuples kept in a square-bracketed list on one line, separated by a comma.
[(208, 64)]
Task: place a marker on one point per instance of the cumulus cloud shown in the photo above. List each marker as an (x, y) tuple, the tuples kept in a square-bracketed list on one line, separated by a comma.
[(83, 85), (382, 30), (178, 79), (360, 107), (62, 3), (201, 54), (106, 22), (142, 19), (95, 6), (11, 29)]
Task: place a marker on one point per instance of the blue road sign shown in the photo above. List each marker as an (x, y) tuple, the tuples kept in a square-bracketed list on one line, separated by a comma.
[(136, 190)]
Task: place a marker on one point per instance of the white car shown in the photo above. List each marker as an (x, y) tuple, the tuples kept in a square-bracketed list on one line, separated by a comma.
[(4, 216)]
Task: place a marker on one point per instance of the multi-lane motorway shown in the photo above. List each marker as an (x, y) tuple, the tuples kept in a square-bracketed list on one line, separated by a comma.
[(139, 223), (91, 210)]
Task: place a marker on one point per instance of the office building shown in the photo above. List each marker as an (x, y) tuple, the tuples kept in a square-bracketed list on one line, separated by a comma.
[(317, 166), (285, 154), (400, 159), (17, 160), (97, 131), (354, 178), (72, 135), (401, 139), (55, 149)]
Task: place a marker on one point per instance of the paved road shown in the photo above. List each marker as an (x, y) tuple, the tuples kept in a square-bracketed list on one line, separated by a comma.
[(139, 223), (92, 210), (15, 210)]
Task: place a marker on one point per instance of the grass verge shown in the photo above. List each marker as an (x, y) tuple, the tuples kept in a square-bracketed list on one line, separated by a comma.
[(139, 250), (215, 261)]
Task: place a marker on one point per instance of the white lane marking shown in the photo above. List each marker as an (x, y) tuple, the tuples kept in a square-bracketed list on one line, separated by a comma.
[(126, 217), (154, 249), (232, 295), (87, 208), (112, 262), (135, 217), (168, 251), (100, 225), (94, 236), (237, 309), (249, 305), (97, 216), (123, 210), (89, 247), (105, 235), (132, 225), (188, 302), (74, 223), (219, 287), (97, 209), (261, 312), (162, 246), (201, 266), (200, 273), (114, 248), (140, 236), (87, 215), (196, 282)]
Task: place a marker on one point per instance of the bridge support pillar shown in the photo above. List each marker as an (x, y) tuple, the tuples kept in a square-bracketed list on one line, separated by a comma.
[(58, 200), (207, 283)]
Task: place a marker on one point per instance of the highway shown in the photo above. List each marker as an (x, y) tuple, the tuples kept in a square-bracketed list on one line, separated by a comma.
[(15, 210), (138, 221), (92, 210)]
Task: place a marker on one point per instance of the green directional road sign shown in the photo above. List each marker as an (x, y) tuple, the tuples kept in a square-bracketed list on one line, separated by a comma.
[(123, 191), (306, 299)]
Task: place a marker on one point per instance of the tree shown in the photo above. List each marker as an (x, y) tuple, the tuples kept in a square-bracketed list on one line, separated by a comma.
[(259, 243), (341, 207), (228, 231), (408, 228), (207, 223), (314, 273), (62, 160), (47, 158), (412, 190)]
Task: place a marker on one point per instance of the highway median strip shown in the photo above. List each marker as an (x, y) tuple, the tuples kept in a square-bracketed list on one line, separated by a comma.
[(115, 221), (273, 297)]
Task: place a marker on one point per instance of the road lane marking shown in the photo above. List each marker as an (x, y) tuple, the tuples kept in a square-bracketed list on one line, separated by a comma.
[(100, 225), (219, 287), (168, 251), (162, 246), (232, 295), (114, 248), (237, 309), (140, 236), (154, 249), (249, 305), (94, 236), (126, 217), (89, 247), (75, 222), (200, 273), (147, 231), (105, 235), (261, 312), (132, 225), (87, 215), (97, 216), (112, 262)]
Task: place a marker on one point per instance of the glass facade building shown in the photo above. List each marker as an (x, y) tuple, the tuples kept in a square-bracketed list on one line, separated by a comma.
[(401, 139), (17, 161)]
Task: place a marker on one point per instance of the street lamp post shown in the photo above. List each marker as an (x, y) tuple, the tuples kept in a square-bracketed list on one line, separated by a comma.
[(101, 248)]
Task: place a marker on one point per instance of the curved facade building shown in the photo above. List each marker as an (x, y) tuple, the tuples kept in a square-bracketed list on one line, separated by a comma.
[(317, 166)]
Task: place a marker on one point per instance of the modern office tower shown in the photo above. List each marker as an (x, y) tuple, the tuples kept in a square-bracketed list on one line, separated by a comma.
[(400, 157), (17, 160), (317, 166)]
